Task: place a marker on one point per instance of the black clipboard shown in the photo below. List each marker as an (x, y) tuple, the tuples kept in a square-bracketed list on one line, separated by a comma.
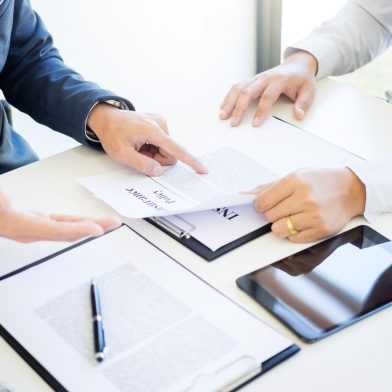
[(186, 239), (58, 387), (53, 383)]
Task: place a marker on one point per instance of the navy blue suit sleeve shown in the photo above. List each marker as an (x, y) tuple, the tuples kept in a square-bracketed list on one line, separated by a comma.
[(36, 80)]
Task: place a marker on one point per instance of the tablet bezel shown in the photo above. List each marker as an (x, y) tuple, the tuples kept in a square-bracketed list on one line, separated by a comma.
[(286, 315)]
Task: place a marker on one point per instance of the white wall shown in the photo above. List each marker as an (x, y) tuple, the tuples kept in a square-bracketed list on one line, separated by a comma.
[(166, 56), (300, 17)]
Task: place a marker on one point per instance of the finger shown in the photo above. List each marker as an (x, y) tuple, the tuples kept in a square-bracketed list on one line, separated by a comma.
[(307, 235), (163, 158), (159, 155), (231, 99), (170, 148), (249, 94), (19, 225), (139, 161), (288, 206), (257, 190), (274, 194), (107, 223), (4, 200), (304, 100), (67, 231), (299, 221), (62, 218), (267, 100)]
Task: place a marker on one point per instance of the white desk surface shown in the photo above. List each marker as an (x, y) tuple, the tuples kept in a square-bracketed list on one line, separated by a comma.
[(357, 358)]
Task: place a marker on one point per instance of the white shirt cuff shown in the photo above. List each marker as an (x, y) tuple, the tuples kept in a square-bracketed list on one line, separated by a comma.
[(377, 177)]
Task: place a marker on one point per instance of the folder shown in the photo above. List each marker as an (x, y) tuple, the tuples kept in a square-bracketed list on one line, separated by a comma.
[(183, 227), (167, 329)]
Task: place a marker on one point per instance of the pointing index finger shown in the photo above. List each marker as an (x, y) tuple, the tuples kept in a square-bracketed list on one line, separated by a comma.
[(167, 144)]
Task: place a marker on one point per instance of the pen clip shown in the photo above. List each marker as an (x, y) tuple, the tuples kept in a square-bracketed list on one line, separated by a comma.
[(172, 227)]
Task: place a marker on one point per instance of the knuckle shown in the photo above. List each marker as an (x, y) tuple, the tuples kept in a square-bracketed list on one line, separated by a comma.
[(270, 216), (297, 239), (262, 202), (240, 107), (310, 203), (277, 75), (298, 180), (161, 120), (114, 150), (246, 93), (148, 125), (323, 226), (293, 180), (276, 230), (327, 228), (266, 97), (236, 88), (159, 117)]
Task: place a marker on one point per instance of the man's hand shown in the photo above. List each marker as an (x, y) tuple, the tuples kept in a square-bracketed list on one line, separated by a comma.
[(295, 78), (139, 140), (319, 203), (29, 227)]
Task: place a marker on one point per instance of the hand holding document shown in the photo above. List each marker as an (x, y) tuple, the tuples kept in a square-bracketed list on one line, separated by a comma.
[(179, 189)]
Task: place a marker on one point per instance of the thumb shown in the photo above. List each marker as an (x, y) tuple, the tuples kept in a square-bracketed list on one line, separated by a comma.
[(142, 163), (304, 100)]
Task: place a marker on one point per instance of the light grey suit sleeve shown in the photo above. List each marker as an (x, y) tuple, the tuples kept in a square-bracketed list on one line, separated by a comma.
[(359, 32)]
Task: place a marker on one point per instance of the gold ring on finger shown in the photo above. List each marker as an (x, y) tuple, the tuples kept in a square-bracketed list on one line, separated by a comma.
[(290, 226)]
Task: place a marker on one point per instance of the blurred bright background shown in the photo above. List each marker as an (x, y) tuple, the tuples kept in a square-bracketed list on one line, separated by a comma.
[(299, 17), (168, 56)]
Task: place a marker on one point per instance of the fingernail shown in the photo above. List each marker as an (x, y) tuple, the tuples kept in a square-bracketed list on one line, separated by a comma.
[(301, 113), (256, 121), (203, 170), (234, 121), (115, 222), (156, 171), (97, 231)]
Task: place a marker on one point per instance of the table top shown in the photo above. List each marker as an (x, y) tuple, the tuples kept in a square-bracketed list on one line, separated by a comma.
[(357, 358)]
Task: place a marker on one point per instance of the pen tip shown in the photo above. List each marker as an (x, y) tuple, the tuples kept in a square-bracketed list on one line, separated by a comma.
[(99, 357)]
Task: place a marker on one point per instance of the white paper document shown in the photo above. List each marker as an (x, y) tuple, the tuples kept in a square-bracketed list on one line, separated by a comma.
[(179, 189), (165, 328), (6, 388), (217, 227)]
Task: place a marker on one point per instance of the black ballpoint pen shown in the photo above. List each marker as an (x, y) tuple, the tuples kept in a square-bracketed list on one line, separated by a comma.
[(99, 333)]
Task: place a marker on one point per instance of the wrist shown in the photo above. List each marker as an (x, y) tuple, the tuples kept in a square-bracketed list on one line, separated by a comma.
[(356, 194), (99, 117), (305, 60)]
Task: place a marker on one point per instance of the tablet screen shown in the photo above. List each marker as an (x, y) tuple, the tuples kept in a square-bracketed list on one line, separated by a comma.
[(327, 286)]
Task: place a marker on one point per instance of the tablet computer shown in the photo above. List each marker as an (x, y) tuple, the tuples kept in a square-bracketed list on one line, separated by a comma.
[(328, 286)]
